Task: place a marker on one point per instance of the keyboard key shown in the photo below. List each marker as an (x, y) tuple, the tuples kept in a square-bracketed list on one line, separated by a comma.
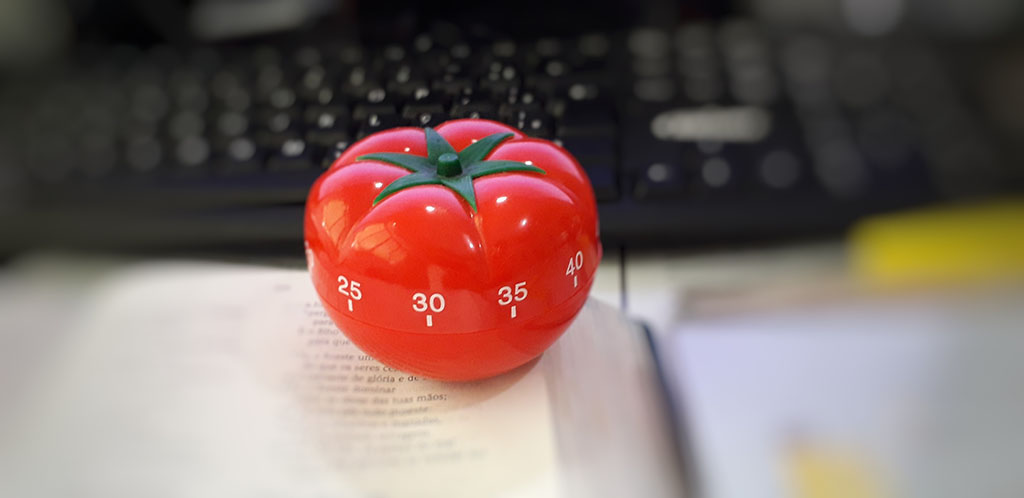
[(553, 69), (476, 110), (583, 91), (350, 54), (379, 96), (327, 117), (311, 82), (52, 160), (511, 113), (240, 156), (659, 89), (548, 47), (327, 139), (272, 141), (705, 88), (357, 83), (423, 43), (410, 91), (294, 155), (377, 122), (281, 98), (648, 43), (394, 53), (192, 152), (717, 174), (533, 124), (232, 124), (277, 121), (268, 79), (594, 45), (185, 124), (661, 181), (453, 86), (363, 111), (99, 154), (143, 154), (754, 85), (237, 99), (424, 115), (525, 99), (192, 96), (461, 51), (324, 94), (150, 103), (498, 83), (504, 49), (307, 56)]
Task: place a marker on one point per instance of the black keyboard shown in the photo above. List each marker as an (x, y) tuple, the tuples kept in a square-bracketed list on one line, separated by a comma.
[(705, 133)]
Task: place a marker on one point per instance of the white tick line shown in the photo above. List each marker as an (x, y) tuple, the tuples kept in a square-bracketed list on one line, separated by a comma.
[(575, 281), (350, 305), (430, 321), (513, 311)]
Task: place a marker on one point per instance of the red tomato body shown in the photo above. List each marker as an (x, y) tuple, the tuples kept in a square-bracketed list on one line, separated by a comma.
[(427, 284)]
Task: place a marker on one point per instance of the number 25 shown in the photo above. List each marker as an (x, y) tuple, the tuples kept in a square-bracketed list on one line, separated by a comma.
[(350, 289)]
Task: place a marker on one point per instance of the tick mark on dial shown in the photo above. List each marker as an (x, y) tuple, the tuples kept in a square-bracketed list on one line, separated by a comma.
[(430, 320), (350, 305), (513, 311)]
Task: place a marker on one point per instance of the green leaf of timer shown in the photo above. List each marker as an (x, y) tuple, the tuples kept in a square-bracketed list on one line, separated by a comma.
[(444, 166)]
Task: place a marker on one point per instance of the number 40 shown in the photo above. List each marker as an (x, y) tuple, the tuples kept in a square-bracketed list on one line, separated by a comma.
[(575, 264)]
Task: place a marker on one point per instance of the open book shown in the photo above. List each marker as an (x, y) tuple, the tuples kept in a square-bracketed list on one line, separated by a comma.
[(197, 380)]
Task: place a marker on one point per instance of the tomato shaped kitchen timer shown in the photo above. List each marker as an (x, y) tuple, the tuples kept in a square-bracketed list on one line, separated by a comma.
[(457, 253)]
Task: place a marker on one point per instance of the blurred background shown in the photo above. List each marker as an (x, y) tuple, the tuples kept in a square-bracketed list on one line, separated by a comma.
[(815, 205), (199, 125)]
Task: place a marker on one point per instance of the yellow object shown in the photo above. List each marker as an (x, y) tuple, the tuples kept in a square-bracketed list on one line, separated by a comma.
[(941, 245), (816, 472)]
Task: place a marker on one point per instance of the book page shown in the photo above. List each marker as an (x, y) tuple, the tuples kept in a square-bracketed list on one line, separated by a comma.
[(213, 380)]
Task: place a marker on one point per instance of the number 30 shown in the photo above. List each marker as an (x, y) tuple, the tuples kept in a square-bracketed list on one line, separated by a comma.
[(420, 302)]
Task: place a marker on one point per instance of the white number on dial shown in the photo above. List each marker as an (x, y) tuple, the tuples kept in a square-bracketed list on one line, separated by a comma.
[(421, 303), (575, 265), (507, 294), (349, 288)]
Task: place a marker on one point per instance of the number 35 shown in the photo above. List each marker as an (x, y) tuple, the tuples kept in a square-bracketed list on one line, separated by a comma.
[(506, 295)]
